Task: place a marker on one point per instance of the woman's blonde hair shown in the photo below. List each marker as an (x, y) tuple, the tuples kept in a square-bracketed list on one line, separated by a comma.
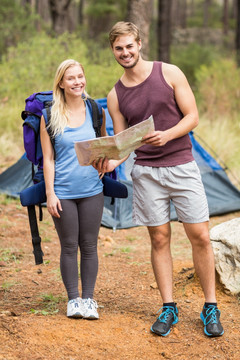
[(123, 28), (59, 112)]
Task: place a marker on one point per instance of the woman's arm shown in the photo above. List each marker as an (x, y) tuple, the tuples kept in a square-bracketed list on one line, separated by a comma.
[(53, 203)]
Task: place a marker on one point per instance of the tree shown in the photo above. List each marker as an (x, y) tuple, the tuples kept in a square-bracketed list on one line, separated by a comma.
[(16, 23), (42, 9), (238, 33), (101, 15), (179, 13), (206, 6), (164, 30), (225, 17), (140, 13), (80, 12), (59, 13)]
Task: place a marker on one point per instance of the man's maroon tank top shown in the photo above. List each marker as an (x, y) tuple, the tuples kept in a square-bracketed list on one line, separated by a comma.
[(155, 97)]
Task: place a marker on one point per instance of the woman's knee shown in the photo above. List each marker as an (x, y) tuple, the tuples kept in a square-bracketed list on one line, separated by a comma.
[(68, 246)]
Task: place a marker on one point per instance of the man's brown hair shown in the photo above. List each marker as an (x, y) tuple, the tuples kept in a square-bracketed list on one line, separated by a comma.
[(123, 28)]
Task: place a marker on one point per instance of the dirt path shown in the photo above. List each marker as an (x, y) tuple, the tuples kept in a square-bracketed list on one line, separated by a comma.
[(33, 322)]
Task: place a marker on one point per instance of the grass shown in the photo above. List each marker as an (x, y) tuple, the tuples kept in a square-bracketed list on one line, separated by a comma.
[(131, 238), (6, 200), (221, 139), (9, 255), (46, 240), (7, 285), (109, 254), (50, 305), (125, 250)]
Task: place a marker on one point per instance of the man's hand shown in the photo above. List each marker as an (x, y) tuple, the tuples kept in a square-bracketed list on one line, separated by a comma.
[(156, 138)]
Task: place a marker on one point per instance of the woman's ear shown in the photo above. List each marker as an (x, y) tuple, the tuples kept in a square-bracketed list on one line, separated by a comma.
[(61, 85)]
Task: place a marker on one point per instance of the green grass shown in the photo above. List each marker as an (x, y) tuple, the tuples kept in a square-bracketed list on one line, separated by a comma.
[(222, 142), (7, 285), (46, 240), (131, 238), (10, 255), (126, 250), (49, 305)]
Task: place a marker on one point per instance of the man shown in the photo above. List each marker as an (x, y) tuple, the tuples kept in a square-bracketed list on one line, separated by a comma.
[(164, 169)]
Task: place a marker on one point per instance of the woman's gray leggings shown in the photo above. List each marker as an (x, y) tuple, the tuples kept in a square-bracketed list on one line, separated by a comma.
[(78, 226)]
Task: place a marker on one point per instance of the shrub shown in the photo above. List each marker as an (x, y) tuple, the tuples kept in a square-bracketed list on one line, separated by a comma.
[(190, 57), (218, 88)]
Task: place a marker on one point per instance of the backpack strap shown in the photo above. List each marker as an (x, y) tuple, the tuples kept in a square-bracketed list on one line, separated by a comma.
[(36, 239), (49, 129), (97, 115)]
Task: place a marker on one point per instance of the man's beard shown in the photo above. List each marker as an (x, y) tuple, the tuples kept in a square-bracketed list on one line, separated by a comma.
[(129, 66)]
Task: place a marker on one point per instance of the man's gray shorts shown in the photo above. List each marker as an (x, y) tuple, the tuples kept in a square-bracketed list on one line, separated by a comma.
[(153, 188)]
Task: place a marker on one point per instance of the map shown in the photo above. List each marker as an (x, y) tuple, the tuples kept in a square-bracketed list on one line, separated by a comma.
[(113, 147)]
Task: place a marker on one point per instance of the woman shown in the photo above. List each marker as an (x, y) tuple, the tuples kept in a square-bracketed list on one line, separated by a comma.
[(74, 192)]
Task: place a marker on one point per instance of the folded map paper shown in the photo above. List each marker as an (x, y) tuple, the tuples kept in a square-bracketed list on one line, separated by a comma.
[(113, 147)]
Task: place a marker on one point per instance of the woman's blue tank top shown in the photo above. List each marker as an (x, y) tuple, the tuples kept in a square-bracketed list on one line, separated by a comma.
[(73, 181)]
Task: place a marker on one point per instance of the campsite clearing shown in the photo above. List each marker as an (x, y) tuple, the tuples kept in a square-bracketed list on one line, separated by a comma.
[(33, 322)]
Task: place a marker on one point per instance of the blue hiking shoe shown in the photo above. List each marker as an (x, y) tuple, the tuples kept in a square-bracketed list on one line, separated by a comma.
[(166, 319), (210, 317)]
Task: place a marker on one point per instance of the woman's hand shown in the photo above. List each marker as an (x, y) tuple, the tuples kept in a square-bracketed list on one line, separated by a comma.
[(54, 205), (103, 165)]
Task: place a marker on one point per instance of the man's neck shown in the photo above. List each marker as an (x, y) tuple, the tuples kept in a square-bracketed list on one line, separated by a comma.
[(136, 75)]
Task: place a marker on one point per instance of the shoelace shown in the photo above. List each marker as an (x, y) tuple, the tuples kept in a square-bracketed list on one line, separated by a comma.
[(91, 303), (74, 303), (211, 315), (167, 311)]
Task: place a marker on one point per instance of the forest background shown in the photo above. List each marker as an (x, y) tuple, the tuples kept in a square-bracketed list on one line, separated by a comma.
[(200, 36)]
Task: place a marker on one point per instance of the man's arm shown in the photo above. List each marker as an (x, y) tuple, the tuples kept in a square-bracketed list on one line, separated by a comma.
[(119, 121), (186, 103), (103, 127)]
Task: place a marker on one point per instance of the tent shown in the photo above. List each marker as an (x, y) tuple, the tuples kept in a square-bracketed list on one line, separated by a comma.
[(223, 197)]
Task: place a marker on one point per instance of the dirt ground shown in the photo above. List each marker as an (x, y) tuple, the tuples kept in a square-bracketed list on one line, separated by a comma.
[(33, 322)]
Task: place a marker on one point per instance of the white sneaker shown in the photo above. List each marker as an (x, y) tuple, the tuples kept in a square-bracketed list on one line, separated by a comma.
[(75, 308), (90, 309)]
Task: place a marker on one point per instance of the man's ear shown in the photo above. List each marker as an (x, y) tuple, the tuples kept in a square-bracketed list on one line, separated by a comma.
[(140, 44)]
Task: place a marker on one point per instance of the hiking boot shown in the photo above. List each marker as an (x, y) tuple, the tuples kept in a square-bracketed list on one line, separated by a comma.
[(164, 322), (210, 317), (75, 308), (90, 309)]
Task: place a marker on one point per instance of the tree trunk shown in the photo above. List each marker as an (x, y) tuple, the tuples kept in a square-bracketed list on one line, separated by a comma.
[(179, 13), (42, 9), (164, 30), (191, 7), (206, 6), (80, 12), (225, 17), (140, 13), (59, 13), (238, 33)]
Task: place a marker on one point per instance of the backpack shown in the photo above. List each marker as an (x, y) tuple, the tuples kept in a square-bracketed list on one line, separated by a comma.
[(35, 195), (35, 103)]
